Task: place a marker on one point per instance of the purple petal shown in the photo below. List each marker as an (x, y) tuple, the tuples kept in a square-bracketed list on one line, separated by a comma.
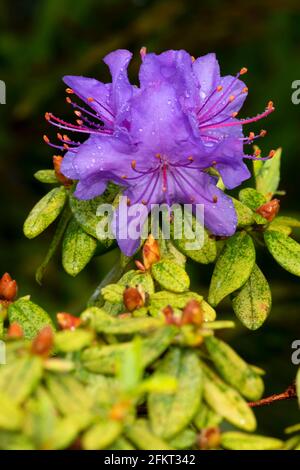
[(121, 89), (86, 88), (219, 213), (90, 187), (207, 71), (129, 220)]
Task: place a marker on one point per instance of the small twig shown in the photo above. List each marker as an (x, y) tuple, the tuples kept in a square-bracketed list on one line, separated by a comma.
[(289, 393)]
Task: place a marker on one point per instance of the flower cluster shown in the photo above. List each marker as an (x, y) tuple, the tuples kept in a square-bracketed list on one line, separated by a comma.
[(159, 140)]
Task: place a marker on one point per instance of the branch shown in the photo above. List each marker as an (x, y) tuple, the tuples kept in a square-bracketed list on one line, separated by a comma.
[(289, 393)]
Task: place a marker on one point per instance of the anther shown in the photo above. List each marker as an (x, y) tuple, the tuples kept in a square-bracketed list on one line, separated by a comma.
[(69, 91), (124, 177), (263, 133), (133, 164), (191, 159), (219, 88), (270, 105), (243, 70), (251, 136), (47, 116), (78, 113), (215, 198), (79, 122), (144, 202), (68, 100), (90, 99), (245, 90), (66, 137), (234, 114), (46, 139), (231, 98)]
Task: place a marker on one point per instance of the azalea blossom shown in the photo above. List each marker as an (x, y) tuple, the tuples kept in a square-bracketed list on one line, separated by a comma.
[(159, 140)]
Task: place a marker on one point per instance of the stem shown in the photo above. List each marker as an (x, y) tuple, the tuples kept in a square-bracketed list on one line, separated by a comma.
[(289, 393)]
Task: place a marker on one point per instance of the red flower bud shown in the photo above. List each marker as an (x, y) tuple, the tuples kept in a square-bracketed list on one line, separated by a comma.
[(43, 342), (15, 331), (133, 298), (57, 160), (67, 321), (151, 253), (210, 438), (192, 313), (8, 287), (269, 210)]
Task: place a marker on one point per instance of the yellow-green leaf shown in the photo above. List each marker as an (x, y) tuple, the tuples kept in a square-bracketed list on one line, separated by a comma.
[(45, 212), (242, 441), (171, 276), (252, 304), (30, 317), (284, 250), (234, 369), (233, 267), (78, 248), (227, 402)]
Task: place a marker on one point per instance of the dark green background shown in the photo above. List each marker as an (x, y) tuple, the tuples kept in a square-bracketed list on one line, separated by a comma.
[(40, 41)]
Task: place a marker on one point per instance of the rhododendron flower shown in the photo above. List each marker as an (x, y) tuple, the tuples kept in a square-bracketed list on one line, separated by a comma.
[(159, 139)]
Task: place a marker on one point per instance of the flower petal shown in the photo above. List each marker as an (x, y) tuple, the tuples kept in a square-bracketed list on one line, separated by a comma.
[(121, 89), (129, 219), (219, 213), (90, 187)]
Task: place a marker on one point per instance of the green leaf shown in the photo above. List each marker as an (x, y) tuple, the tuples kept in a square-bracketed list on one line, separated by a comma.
[(284, 220), (268, 176), (102, 322), (105, 359), (10, 414), (30, 317), (233, 267), (206, 418), (78, 248), (130, 370), (70, 341), (251, 198), (85, 212), (101, 435), (171, 413), (184, 440), (68, 394), (190, 237), (227, 402), (45, 212), (234, 370), (19, 378), (171, 276), (244, 214), (113, 293), (140, 434), (66, 430), (243, 441), (285, 250), (46, 176), (60, 229), (252, 304)]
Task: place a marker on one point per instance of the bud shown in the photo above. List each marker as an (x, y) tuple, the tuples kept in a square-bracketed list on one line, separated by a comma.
[(15, 331), (8, 287), (67, 321), (43, 342), (133, 298), (57, 160), (171, 319), (140, 266), (119, 410), (269, 210), (210, 438), (192, 313), (151, 253)]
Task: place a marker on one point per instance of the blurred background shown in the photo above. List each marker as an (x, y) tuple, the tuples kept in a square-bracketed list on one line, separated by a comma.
[(40, 41)]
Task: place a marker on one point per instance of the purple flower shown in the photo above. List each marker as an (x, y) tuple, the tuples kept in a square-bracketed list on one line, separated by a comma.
[(159, 140)]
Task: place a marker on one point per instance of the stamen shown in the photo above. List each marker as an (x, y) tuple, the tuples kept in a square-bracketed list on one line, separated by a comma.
[(243, 71)]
